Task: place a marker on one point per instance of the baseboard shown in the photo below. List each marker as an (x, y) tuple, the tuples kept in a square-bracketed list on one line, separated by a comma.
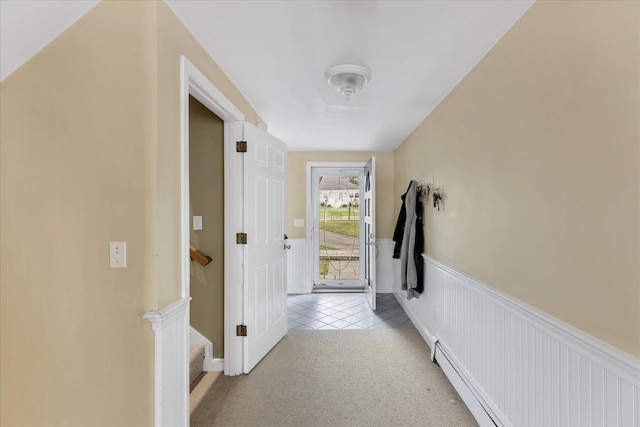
[(440, 354), (209, 364), (523, 366), (215, 365)]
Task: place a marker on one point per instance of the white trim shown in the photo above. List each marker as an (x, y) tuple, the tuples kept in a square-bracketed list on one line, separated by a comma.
[(209, 363), (215, 365), (169, 325), (604, 354), (522, 365), (467, 396), (233, 269), (384, 264), (195, 83)]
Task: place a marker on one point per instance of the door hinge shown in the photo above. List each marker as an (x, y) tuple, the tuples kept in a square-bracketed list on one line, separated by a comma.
[(241, 330), (241, 146), (241, 238)]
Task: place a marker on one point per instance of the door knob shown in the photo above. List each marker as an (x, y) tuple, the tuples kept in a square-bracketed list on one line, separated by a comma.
[(287, 246)]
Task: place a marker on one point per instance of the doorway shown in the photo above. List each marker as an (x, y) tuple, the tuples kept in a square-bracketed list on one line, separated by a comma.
[(206, 215), (338, 228)]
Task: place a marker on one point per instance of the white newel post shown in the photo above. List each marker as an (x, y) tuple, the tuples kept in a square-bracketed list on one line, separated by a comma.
[(171, 335)]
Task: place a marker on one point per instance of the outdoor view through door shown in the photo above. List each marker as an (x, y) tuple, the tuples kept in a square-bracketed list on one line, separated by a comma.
[(339, 230), (344, 255)]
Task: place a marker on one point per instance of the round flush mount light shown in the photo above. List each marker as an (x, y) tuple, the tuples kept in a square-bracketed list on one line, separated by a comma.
[(347, 79)]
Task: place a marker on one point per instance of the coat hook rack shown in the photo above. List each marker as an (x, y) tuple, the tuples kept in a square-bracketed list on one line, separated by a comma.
[(426, 187)]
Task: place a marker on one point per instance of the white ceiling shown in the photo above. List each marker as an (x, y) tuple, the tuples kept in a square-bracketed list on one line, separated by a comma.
[(276, 52), (28, 26)]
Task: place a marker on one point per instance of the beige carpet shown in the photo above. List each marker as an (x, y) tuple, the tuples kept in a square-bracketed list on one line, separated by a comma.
[(374, 377)]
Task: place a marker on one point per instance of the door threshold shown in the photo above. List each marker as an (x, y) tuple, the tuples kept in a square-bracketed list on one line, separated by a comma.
[(336, 289)]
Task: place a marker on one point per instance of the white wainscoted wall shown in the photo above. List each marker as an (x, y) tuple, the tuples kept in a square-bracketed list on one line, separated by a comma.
[(384, 263), (171, 335), (517, 364), (300, 267)]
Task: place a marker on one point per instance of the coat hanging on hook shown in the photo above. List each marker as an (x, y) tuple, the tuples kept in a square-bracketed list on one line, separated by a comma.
[(409, 238)]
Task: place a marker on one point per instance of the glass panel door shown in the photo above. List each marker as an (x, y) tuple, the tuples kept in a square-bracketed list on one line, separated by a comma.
[(339, 230)]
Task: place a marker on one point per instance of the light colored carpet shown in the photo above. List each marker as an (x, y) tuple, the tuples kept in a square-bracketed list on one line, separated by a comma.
[(381, 377)]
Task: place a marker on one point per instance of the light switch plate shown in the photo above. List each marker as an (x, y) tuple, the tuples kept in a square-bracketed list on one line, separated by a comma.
[(298, 222), (197, 223), (118, 254)]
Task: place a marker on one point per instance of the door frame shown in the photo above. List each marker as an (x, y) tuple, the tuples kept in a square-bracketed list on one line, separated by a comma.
[(311, 204), (194, 83)]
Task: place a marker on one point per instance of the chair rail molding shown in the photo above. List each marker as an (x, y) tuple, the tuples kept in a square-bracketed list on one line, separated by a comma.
[(518, 364)]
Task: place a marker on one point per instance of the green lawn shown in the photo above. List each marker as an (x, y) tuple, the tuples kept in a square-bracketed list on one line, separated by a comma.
[(348, 228), (324, 267), (337, 220)]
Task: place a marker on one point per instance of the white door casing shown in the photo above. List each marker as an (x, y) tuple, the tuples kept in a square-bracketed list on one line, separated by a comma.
[(265, 265), (370, 231)]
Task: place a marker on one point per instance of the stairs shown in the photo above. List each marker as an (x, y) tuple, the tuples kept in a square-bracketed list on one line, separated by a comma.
[(196, 358)]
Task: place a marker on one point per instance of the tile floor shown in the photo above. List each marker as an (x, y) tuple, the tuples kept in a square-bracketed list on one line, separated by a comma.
[(345, 311)]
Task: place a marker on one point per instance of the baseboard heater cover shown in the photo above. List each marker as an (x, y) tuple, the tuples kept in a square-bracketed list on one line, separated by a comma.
[(466, 391)]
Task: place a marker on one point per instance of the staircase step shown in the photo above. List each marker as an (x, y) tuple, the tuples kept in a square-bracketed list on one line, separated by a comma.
[(196, 357)]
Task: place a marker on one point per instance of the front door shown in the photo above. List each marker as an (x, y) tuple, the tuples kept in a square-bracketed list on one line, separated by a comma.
[(370, 231), (265, 267)]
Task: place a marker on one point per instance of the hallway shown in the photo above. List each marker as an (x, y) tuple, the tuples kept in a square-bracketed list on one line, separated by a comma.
[(367, 377)]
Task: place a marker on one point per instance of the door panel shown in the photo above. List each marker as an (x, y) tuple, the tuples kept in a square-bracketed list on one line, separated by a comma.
[(370, 231), (265, 168)]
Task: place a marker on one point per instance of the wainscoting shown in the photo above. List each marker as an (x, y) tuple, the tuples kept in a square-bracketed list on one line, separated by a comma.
[(520, 365), (300, 267), (171, 334), (384, 262)]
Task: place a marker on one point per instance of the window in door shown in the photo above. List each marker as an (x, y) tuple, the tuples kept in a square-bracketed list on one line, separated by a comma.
[(338, 238)]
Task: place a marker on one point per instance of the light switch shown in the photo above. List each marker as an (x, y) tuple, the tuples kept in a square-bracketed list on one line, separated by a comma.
[(118, 254), (298, 222), (197, 223)]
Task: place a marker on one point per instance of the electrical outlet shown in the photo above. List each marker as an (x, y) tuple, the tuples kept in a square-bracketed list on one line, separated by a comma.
[(118, 254)]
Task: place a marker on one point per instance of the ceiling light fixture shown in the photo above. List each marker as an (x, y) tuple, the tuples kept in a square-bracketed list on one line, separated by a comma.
[(347, 79)]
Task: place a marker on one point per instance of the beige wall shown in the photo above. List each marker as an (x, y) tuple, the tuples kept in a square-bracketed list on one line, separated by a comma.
[(297, 199), (90, 149), (206, 189), (76, 173), (174, 39), (538, 152)]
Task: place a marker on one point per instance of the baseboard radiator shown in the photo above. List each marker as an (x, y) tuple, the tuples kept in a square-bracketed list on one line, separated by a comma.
[(515, 365), (171, 366)]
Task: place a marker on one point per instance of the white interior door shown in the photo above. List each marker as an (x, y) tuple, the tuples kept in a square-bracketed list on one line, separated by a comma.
[(370, 231), (265, 296)]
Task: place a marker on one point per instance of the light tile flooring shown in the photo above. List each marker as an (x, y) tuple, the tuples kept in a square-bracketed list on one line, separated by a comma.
[(345, 311)]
